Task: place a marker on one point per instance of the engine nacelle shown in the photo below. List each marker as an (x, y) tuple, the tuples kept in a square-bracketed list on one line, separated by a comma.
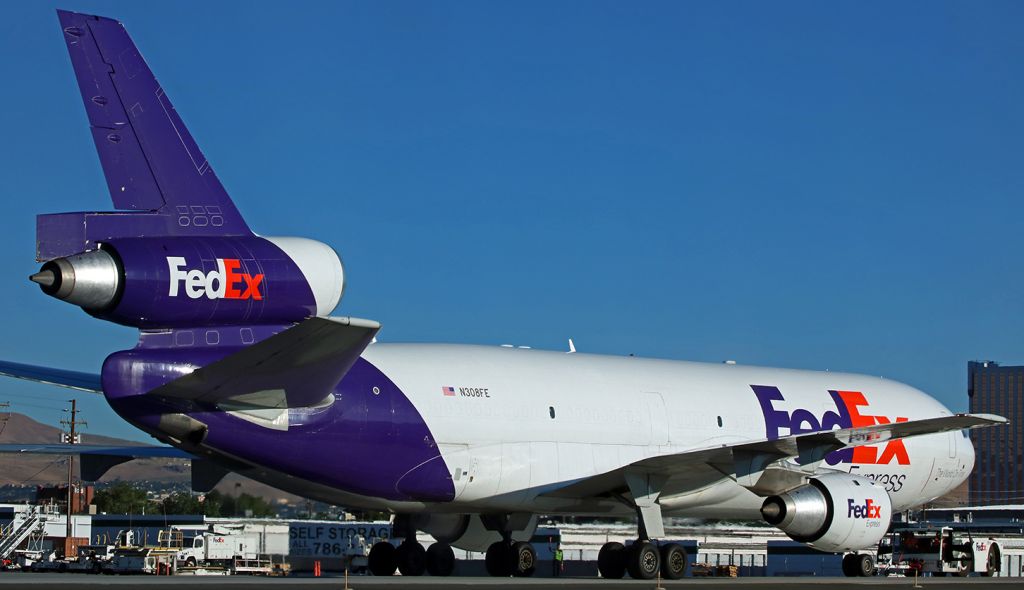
[(169, 282), (834, 512)]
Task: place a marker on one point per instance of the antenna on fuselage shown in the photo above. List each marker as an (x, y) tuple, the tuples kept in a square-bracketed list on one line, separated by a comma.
[(572, 347)]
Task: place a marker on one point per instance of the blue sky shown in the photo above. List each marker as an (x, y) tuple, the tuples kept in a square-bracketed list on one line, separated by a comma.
[(799, 184)]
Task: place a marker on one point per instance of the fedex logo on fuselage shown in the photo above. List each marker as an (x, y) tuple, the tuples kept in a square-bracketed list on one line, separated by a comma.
[(224, 283), (848, 414), (866, 510)]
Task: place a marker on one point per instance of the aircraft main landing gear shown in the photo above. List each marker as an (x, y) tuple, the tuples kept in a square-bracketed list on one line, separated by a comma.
[(410, 558), (858, 565), (440, 559), (644, 558), (382, 560), (511, 558)]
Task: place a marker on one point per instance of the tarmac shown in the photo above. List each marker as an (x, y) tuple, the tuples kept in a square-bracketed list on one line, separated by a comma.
[(36, 581)]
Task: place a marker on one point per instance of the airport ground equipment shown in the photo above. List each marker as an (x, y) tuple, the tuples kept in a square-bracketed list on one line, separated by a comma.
[(239, 367), (946, 551), (221, 549), (21, 527), (92, 558)]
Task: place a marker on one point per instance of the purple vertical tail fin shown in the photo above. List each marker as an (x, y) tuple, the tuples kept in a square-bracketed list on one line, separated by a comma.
[(152, 165)]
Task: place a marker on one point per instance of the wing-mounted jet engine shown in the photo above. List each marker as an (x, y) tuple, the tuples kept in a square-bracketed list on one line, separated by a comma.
[(835, 512)]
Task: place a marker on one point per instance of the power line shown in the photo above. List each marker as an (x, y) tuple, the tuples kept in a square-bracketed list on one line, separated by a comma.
[(72, 439), (4, 418), (48, 465), (54, 408)]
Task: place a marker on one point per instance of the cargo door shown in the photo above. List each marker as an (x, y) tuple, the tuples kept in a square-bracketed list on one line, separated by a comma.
[(658, 417)]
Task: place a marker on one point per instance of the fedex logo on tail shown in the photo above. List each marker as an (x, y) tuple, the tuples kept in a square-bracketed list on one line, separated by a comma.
[(224, 283), (850, 412), (866, 510)]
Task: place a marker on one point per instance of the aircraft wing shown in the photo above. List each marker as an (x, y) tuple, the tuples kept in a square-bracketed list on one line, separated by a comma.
[(298, 367), (766, 466), (813, 446), (60, 377)]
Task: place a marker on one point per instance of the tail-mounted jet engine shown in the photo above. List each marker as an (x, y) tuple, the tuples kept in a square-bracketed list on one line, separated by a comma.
[(835, 512), (165, 282)]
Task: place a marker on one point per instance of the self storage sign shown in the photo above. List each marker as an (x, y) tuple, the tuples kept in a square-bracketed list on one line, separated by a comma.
[(333, 540)]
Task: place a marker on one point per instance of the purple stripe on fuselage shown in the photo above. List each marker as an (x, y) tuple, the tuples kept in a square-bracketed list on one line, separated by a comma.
[(370, 441)]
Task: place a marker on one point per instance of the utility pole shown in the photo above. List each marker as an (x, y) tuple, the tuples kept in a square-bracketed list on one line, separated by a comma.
[(72, 439)]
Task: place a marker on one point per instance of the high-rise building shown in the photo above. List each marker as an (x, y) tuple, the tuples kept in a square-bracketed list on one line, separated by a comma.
[(998, 477)]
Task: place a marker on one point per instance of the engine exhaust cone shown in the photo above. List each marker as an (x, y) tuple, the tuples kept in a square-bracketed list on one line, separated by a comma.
[(91, 280), (44, 278), (773, 510)]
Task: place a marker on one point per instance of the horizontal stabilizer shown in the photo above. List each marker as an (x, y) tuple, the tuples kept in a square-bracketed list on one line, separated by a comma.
[(63, 378), (132, 452), (297, 368), (96, 460), (206, 475)]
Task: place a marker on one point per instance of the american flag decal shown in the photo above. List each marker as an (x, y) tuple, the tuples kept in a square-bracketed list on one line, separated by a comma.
[(448, 391)]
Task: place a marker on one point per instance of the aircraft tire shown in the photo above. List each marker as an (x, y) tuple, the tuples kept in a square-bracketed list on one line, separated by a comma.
[(850, 565), (643, 560), (499, 560), (382, 560), (411, 558), (865, 566), (524, 559), (673, 561), (440, 560), (611, 561)]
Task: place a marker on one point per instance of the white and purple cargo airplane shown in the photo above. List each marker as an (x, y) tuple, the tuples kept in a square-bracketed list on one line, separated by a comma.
[(240, 367)]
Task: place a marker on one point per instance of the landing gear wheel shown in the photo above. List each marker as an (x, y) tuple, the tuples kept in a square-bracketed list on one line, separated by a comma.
[(411, 558), (524, 559), (611, 561), (865, 566), (440, 559), (499, 560), (850, 565), (382, 560), (673, 561), (643, 560), (992, 563)]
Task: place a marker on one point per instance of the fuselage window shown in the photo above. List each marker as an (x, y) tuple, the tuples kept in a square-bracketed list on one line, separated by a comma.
[(551, 412), (719, 421)]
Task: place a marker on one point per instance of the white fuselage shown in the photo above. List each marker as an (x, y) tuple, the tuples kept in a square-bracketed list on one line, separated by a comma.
[(519, 424)]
